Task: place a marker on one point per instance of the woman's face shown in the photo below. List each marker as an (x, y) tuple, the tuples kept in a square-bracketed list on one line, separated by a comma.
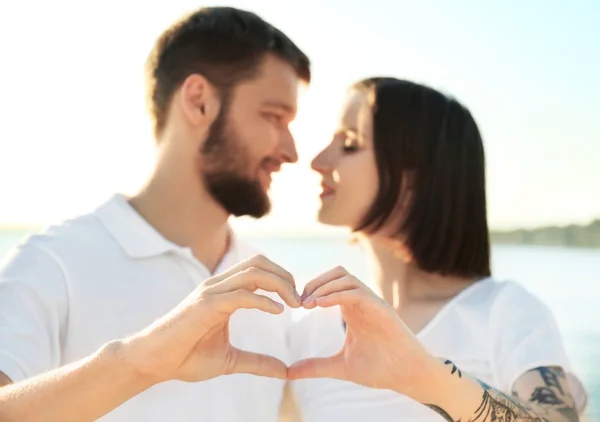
[(348, 167)]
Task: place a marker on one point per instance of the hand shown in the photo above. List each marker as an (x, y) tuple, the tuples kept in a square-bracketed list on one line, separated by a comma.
[(191, 343), (379, 351)]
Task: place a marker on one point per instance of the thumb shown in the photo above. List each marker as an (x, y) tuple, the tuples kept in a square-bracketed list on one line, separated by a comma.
[(243, 362), (329, 367)]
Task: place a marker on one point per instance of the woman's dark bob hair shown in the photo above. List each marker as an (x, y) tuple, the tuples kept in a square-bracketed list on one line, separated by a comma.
[(421, 132)]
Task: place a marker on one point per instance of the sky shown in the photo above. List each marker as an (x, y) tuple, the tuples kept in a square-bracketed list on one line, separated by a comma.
[(73, 125)]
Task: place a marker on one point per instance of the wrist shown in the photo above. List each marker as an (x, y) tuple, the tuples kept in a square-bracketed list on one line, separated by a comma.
[(444, 386), (428, 380), (124, 357)]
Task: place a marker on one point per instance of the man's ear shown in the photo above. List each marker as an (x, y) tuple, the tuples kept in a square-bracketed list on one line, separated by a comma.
[(199, 101)]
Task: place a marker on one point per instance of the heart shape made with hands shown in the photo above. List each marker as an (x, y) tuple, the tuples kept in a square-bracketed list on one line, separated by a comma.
[(379, 350)]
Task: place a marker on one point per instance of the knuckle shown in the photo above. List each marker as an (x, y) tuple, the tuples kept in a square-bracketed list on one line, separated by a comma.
[(206, 297), (239, 293), (258, 259), (252, 271), (341, 269)]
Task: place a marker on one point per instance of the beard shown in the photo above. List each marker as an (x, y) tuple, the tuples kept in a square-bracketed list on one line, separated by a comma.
[(226, 169)]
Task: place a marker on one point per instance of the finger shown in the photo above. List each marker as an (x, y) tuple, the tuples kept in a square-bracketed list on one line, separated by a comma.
[(254, 278), (329, 367), (346, 297), (243, 362), (258, 261), (341, 284), (243, 299), (314, 284)]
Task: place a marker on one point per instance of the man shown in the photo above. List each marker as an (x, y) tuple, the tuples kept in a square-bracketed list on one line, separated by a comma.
[(222, 88)]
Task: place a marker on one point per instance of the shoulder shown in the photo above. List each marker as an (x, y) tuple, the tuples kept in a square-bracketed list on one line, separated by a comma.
[(42, 253), (502, 296), (513, 302)]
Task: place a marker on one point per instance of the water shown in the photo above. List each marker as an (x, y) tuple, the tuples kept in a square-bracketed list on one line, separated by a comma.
[(566, 279)]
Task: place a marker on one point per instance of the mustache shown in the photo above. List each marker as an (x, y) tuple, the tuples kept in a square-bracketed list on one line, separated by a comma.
[(271, 163)]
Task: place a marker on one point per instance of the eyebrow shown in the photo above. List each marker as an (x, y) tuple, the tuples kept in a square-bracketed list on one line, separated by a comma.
[(346, 129), (281, 105)]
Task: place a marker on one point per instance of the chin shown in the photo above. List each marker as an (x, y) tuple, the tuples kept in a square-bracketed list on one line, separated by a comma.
[(328, 218)]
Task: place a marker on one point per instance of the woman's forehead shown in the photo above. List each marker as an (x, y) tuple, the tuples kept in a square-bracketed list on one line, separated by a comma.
[(356, 113)]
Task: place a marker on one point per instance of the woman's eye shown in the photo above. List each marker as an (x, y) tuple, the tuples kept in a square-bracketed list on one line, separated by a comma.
[(350, 145)]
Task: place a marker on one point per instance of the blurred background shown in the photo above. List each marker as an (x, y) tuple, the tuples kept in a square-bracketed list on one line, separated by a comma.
[(73, 126)]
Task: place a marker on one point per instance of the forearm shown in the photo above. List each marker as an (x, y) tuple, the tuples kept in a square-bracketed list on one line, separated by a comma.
[(459, 397), (82, 391)]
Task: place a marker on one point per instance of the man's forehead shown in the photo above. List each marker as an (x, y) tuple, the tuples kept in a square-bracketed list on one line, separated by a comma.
[(273, 92), (277, 78)]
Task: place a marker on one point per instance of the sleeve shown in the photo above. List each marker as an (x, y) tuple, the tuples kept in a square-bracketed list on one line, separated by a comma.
[(525, 335), (33, 312)]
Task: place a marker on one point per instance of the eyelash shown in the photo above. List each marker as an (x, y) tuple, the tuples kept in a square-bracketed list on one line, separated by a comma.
[(349, 147), (275, 118)]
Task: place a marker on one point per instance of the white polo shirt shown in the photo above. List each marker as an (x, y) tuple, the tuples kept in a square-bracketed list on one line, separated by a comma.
[(102, 276)]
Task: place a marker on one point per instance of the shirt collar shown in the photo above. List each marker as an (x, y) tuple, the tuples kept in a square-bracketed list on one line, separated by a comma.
[(136, 236), (140, 239)]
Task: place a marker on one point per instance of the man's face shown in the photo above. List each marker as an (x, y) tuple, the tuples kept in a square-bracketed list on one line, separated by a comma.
[(250, 139)]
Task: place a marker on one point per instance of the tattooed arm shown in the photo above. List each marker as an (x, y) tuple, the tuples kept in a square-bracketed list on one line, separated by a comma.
[(540, 395)]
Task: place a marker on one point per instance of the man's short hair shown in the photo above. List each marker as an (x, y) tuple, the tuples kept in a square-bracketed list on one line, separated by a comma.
[(224, 44)]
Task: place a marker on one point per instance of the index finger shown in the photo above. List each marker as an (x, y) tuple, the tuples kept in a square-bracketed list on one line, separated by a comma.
[(326, 277), (257, 261), (254, 279)]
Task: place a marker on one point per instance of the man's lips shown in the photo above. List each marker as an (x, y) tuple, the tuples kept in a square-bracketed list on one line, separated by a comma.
[(268, 168)]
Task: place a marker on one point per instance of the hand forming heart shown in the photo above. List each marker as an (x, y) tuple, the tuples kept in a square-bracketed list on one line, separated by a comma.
[(379, 350), (191, 343)]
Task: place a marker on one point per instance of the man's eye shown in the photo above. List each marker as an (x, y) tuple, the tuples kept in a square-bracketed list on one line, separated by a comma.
[(274, 118)]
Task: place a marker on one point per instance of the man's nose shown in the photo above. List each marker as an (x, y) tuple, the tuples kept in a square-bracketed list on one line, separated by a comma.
[(288, 153)]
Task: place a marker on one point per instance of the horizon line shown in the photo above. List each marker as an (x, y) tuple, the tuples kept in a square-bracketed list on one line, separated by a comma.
[(306, 230)]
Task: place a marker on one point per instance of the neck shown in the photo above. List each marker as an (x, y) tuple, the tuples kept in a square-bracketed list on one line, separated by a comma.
[(401, 282), (183, 211)]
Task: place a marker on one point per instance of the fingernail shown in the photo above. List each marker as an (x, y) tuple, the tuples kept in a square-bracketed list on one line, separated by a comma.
[(308, 299)]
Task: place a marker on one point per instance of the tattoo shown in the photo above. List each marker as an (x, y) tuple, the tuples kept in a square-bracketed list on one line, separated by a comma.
[(550, 375), (546, 403), (441, 412), (454, 368), (497, 406), (545, 395)]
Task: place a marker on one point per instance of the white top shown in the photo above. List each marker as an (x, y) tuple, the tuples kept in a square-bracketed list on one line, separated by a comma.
[(495, 331), (106, 275)]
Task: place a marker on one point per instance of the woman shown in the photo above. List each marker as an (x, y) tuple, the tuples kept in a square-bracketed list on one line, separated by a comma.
[(441, 338)]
